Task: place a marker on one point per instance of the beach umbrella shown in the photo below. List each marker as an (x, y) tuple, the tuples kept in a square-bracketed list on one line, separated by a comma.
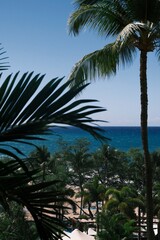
[(91, 232), (77, 235)]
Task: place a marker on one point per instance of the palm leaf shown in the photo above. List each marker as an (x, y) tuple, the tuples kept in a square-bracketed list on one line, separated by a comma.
[(25, 114), (106, 16), (100, 63), (45, 205), (3, 64), (45, 208), (104, 62)]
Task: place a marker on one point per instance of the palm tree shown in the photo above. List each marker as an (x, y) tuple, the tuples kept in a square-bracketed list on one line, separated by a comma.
[(134, 26), (80, 165), (111, 166), (42, 156), (114, 227), (136, 167), (124, 200), (94, 193), (28, 113)]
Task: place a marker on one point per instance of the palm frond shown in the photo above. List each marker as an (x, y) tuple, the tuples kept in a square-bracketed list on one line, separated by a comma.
[(112, 192), (129, 33), (45, 204), (46, 208), (158, 52), (100, 63), (107, 17), (85, 2), (25, 114), (3, 64), (144, 11)]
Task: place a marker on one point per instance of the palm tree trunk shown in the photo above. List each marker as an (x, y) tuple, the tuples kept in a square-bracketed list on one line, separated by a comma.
[(89, 210), (144, 135), (81, 197)]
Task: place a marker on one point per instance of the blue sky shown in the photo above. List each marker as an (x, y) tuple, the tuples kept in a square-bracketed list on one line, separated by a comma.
[(34, 34)]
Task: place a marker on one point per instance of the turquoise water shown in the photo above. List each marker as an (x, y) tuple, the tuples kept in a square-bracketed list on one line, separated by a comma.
[(122, 138)]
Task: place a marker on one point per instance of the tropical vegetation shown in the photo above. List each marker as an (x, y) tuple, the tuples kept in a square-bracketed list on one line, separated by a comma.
[(116, 200), (120, 194), (134, 27), (115, 205), (16, 226)]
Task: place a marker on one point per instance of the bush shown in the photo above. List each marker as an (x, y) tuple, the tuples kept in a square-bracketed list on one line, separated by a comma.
[(13, 225)]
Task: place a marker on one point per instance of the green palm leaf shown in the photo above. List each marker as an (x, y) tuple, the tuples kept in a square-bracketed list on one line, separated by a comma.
[(25, 114), (95, 64), (90, 15), (3, 64), (103, 62)]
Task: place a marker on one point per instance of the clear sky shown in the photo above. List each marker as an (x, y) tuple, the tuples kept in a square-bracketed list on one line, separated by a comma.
[(34, 34)]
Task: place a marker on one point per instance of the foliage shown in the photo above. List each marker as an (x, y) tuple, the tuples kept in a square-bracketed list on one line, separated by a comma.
[(114, 226), (76, 159), (3, 64), (156, 165), (136, 166), (40, 158), (45, 204), (14, 225), (133, 26), (27, 113), (24, 117), (94, 193), (111, 166), (124, 200), (124, 195)]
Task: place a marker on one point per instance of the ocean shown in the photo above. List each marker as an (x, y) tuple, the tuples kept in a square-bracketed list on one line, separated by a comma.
[(122, 138)]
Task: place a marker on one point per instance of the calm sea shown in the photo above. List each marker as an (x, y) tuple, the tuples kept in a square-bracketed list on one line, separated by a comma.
[(122, 138)]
